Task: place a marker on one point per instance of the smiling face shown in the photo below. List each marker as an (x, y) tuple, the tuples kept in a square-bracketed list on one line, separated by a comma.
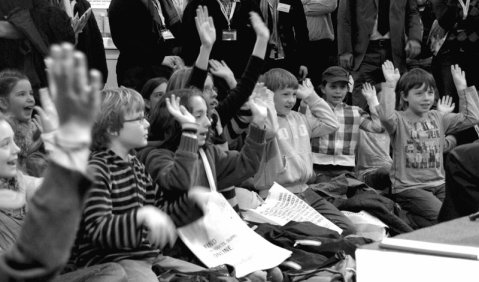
[(419, 100), (284, 100), (199, 110), (8, 151), (20, 102), (334, 92)]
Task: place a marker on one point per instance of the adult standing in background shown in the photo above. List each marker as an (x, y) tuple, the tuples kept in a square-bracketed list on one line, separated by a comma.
[(235, 36), (142, 31), (373, 31), (321, 49)]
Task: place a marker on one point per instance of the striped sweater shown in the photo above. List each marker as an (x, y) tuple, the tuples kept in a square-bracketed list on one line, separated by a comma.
[(109, 230)]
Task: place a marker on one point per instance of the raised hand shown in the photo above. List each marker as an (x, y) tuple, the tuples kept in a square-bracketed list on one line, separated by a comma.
[(222, 70), (46, 118), (161, 229), (369, 91), (75, 95), (445, 105), (259, 26), (205, 26), (306, 89), (459, 77), (178, 111), (173, 62), (391, 74), (259, 110)]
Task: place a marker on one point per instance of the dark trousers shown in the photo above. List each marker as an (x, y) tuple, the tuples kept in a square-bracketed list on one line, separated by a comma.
[(370, 69), (321, 55)]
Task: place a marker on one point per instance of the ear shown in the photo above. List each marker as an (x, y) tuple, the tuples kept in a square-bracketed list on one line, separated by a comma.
[(403, 103), (111, 132), (321, 86), (4, 104), (147, 104)]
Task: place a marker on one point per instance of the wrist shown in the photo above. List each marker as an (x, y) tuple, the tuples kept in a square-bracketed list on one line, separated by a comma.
[(373, 101), (206, 47), (390, 84)]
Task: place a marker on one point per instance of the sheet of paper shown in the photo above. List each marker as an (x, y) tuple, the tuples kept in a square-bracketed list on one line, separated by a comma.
[(282, 206), (222, 237)]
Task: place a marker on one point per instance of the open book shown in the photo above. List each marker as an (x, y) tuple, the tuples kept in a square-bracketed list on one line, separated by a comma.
[(282, 206)]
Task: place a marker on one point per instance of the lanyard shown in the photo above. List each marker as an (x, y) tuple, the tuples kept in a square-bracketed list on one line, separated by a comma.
[(465, 8), (223, 10), (209, 173), (179, 5), (157, 6)]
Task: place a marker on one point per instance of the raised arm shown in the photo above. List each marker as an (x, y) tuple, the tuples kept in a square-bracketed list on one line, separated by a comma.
[(370, 122), (386, 109)]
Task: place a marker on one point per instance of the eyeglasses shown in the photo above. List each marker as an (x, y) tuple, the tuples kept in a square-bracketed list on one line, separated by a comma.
[(140, 119)]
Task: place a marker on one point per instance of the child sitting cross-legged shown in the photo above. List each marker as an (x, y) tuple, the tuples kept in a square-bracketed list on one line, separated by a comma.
[(335, 153), (287, 158), (417, 137)]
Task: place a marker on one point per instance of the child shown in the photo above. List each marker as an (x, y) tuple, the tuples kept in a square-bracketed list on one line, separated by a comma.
[(417, 138), (335, 153), (18, 103), (287, 158), (152, 92), (121, 220)]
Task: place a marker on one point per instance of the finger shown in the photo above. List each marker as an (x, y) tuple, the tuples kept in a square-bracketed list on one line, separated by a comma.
[(453, 105), (81, 77)]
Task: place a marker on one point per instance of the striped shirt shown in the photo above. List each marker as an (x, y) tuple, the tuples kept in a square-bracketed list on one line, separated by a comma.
[(109, 230), (339, 148)]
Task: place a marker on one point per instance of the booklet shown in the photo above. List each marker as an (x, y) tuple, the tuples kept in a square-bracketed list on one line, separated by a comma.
[(282, 206)]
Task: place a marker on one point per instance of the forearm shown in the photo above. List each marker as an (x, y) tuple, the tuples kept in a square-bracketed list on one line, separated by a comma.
[(10, 199), (386, 108), (203, 57), (260, 46), (321, 117)]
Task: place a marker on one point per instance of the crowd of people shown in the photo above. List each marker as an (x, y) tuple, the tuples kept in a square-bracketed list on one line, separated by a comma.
[(349, 106)]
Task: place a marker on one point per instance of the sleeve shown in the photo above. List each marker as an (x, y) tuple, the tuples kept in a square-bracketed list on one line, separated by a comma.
[(468, 112), (55, 212), (370, 123), (301, 32), (321, 119), (197, 78), (191, 43), (445, 12), (414, 23), (233, 167), (345, 44), (319, 7), (243, 90), (174, 171), (387, 113), (105, 229)]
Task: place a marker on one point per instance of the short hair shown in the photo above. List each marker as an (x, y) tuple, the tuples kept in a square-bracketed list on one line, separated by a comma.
[(163, 126), (150, 85), (179, 79), (278, 79), (8, 79), (116, 103), (413, 79)]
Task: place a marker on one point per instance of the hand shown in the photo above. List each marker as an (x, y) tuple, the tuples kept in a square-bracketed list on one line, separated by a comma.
[(351, 84), (222, 70), (46, 118), (369, 91), (76, 100), (200, 195), (205, 27), (391, 74), (459, 77), (445, 105), (263, 93), (161, 229), (305, 90), (259, 110), (79, 23), (303, 72), (259, 26), (346, 61), (178, 111), (413, 48), (173, 62)]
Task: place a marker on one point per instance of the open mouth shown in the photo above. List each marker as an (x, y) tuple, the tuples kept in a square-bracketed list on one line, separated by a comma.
[(12, 162)]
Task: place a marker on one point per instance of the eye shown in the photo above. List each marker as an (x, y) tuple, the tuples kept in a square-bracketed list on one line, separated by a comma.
[(4, 143)]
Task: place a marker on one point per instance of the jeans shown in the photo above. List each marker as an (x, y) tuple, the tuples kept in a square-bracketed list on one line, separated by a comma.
[(422, 205)]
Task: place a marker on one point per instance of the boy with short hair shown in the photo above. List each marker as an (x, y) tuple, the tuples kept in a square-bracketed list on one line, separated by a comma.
[(417, 137), (287, 158), (335, 153), (121, 220)]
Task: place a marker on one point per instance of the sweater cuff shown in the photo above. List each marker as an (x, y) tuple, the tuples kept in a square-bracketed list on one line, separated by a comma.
[(185, 211), (188, 144), (256, 134)]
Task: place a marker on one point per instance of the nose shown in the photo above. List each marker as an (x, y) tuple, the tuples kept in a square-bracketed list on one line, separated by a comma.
[(16, 149), (207, 122), (31, 98), (146, 124)]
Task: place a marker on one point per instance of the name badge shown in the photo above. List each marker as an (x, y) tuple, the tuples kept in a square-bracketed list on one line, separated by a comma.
[(229, 35), (276, 54), (284, 7), (167, 35)]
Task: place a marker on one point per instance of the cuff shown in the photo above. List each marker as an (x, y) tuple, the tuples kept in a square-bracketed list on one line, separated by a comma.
[(256, 134), (188, 144), (191, 127)]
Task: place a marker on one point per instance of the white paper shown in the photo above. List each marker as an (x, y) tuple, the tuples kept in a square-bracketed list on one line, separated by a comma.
[(367, 225), (282, 206), (221, 237)]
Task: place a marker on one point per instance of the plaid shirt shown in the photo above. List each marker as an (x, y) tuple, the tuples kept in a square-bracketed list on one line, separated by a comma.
[(339, 148)]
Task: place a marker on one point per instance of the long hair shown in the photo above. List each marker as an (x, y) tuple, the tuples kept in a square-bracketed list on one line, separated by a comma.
[(163, 126)]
